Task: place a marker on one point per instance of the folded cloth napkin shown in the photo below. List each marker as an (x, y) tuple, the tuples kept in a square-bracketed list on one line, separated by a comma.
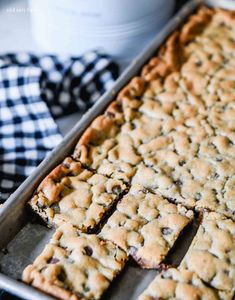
[(33, 91)]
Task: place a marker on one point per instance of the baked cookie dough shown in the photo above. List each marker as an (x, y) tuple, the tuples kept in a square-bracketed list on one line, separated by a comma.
[(181, 285), (146, 226), (74, 194), (75, 266), (212, 253)]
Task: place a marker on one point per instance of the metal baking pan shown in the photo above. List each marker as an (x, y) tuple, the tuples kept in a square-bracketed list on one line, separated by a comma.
[(22, 238)]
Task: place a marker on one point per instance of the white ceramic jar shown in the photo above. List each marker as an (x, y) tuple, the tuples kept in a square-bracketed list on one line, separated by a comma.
[(121, 28)]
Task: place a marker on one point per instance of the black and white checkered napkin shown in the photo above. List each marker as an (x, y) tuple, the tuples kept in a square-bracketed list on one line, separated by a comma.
[(33, 91)]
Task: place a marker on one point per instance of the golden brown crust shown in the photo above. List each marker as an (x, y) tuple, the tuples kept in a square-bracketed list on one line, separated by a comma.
[(171, 55), (168, 60), (102, 134), (51, 186), (115, 111), (32, 276), (181, 284), (105, 126), (146, 226), (75, 266), (212, 253), (76, 195), (100, 129), (195, 25), (133, 89), (226, 17)]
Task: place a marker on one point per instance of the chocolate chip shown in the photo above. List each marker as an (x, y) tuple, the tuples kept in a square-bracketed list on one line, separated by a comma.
[(110, 114), (116, 189), (119, 107), (172, 200), (53, 260), (214, 191), (88, 250), (95, 142), (57, 179), (62, 275), (66, 286), (178, 182), (215, 176), (86, 289), (145, 191), (79, 295), (182, 162), (133, 126), (166, 230), (226, 272), (199, 63)]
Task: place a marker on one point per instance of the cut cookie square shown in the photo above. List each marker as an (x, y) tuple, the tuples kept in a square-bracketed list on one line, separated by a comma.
[(183, 285), (212, 253), (116, 157), (74, 194), (75, 266), (119, 161), (146, 226), (200, 183)]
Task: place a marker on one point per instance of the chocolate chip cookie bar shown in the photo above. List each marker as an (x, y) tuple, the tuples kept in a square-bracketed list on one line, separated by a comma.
[(212, 253), (164, 147), (198, 183), (190, 92), (181, 284), (103, 134), (146, 226), (112, 152), (76, 195), (75, 266)]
